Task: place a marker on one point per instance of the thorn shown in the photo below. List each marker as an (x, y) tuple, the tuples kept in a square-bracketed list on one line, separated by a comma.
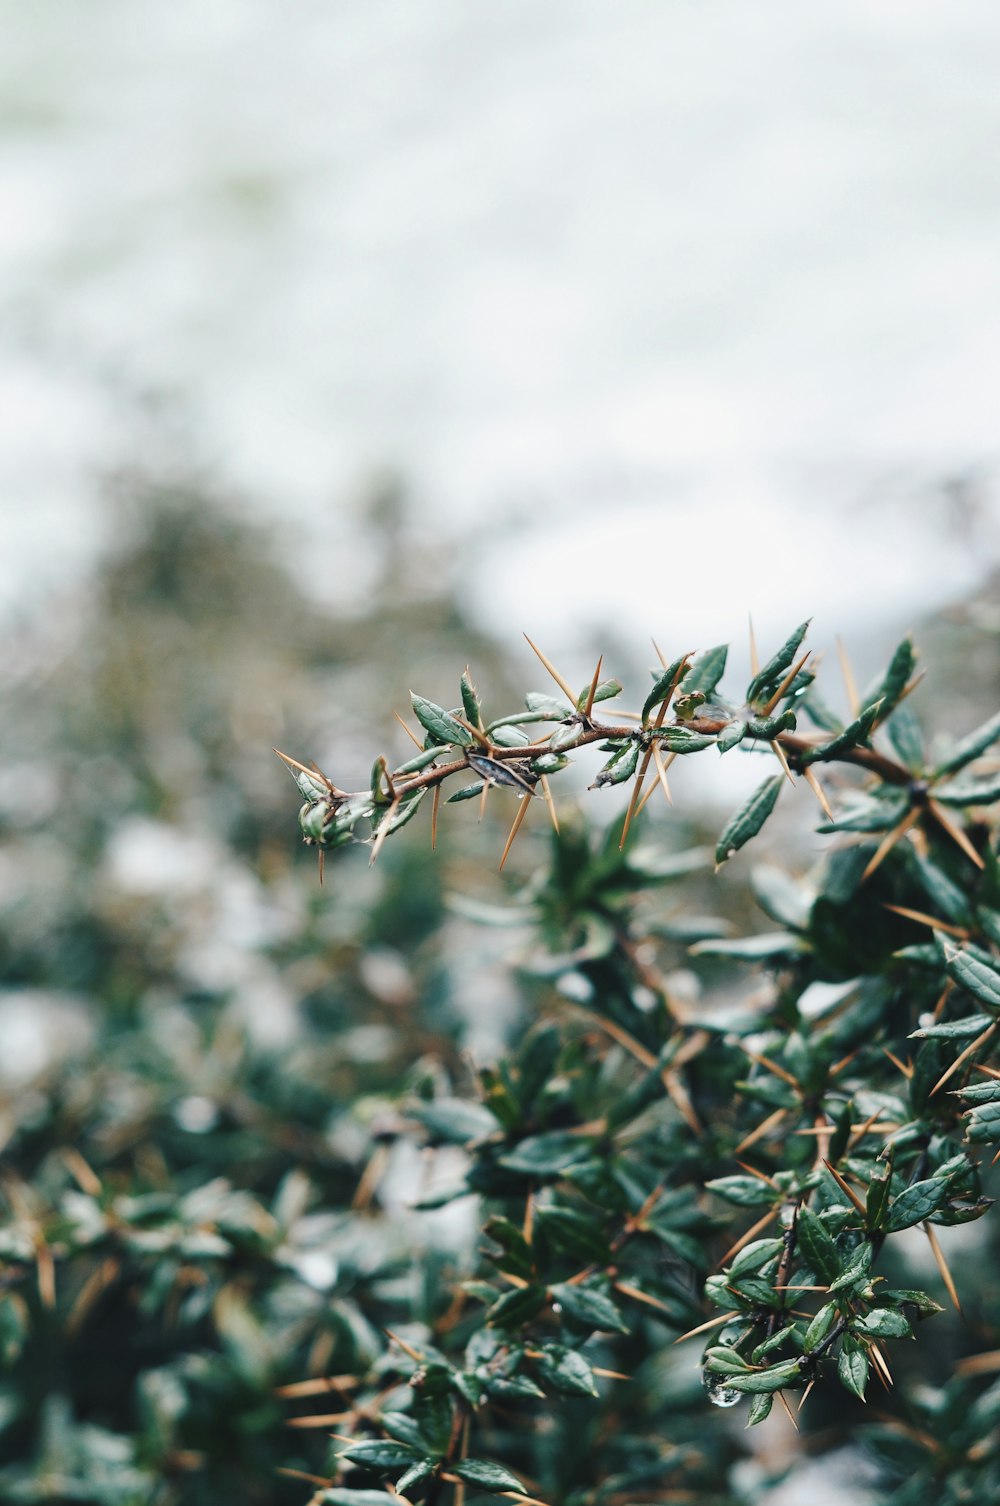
[(313, 773), (791, 1418), (647, 796), (765, 1061), (889, 841), (633, 802), (570, 696), (817, 789), (942, 1266), (786, 682), (779, 753), (522, 811), (480, 737), (435, 807), (405, 1347), (410, 734), (963, 1057), (750, 1234), (322, 865), (928, 920), (754, 656), (805, 1394), (845, 1189), (955, 833), (847, 673), (589, 703), (905, 1068), (659, 653), (638, 1296), (383, 830), (547, 792), (321, 1420), (764, 1128), (715, 1322), (753, 1171), (483, 794), (662, 765)]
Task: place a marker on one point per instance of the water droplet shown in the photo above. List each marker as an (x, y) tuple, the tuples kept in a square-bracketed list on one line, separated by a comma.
[(720, 1395)]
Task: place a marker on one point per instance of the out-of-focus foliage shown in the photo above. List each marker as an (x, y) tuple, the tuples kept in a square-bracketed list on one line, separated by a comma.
[(303, 1197)]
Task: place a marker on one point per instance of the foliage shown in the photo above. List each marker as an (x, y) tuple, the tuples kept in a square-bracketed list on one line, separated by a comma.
[(304, 1197)]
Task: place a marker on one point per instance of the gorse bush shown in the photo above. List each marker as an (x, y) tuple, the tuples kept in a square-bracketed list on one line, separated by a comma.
[(308, 1197), (649, 1165)]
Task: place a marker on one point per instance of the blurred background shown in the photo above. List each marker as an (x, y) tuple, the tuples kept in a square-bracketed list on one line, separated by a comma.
[(340, 345)]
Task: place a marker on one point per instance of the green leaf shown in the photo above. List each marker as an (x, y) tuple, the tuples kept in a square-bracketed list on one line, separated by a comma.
[(745, 1192), (752, 948), (906, 736), (767, 728), (440, 723), (817, 1247), (413, 1476), (578, 1235), (773, 672), (776, 1378), (404, 812), (470, 701), (983, 1123), (455, 1121), (566, 1370), (707, 670), (339, 1495), (417, 763), (970, 747), (896, 678), (883, 1323), (978, 978), (915, 1203), (819, 1327), (549, 1154), (760, 1408), (493, 1478), (467, 792), (381, 1453), (953, 1030), (755, 1255), (748, 820), (404, 1427), (662, 687), (605, 691), (517, 1307), (853, 735), (852, 1367), (682, 740), (969, 792), (620, 766), (731, 736), (590, 1306)]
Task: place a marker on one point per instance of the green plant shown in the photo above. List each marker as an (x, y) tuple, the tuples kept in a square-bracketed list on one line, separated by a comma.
[(651, 1166)]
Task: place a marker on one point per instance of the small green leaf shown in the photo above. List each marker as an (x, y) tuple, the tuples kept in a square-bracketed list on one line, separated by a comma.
[(953, 1030), (620, 766), (976, 977), (773, 672), (707, 670), (969, 792), (760, 1408), (748, 820), (566, 1370), (467, 792), (417, 1471), (662, 687), (682, 740), (883, 1323), (906, 736), (896, 678), (915, 1203), (404, 812), (455, 1121), (852, 1367), (440, 723), (853, 735), (819, 1327), (776, 1378), (818, 1249), (590, 1306), (381, 1453), (470, 701), (970, 747), (731, 736), (484, 1475), (419, 761), (548, 1154), (517, 1307), (605, 691), (746, 1192), (755, 1255)]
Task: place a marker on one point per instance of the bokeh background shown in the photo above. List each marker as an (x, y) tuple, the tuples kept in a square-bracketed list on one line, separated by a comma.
[(339, 344)]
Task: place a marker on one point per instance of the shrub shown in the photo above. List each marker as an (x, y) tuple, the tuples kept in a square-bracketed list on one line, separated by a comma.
[(306, 1198)]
